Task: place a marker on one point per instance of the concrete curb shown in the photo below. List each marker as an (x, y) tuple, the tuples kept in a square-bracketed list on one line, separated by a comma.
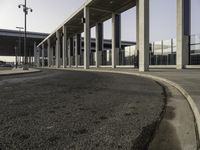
[(9, 73), (159, 79)]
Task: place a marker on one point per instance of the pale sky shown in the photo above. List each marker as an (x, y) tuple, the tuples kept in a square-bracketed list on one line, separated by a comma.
[(48, 14)]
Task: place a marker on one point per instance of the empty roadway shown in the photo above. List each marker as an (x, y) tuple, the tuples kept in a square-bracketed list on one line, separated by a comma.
[(78, 110)]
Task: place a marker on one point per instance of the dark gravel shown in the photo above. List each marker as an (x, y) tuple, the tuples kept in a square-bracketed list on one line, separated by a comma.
[(78, 110)]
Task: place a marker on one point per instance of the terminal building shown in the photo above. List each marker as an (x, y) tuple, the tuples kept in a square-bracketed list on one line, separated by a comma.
[(12, 44), (64, 48)]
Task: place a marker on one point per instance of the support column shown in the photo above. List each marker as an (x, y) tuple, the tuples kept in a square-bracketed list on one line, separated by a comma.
[(42, 55), (57, 49), (136, 61), (49, 53), (70, 52), (64, 46), (183, 28), (86, 38), (77, 49), (99, 43), (143, 19), (38, 57), (35, 54), (116, 39)]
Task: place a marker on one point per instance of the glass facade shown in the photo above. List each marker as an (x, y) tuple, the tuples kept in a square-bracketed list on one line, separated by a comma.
[(106, 57), (128, 56), (195, 50), (163, 52), (160, 53)]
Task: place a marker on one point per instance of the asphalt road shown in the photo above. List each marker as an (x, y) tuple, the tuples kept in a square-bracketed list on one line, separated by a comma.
[(78, 110)]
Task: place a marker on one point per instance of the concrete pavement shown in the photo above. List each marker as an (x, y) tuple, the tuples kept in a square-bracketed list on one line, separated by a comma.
[(78, 110), (186, 81), (183, 120)]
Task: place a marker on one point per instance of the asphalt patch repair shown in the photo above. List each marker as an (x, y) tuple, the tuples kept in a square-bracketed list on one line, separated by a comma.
[(78, 110)]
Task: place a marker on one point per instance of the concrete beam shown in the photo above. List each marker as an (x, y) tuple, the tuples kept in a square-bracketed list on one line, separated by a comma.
[(143, 19), (64, 44), (57, 49), (101, 10), (99, 43), (183, 29), (86, 37), (116, 39)]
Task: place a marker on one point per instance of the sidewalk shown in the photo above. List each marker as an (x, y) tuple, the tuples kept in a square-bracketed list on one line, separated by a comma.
[(188, 79), (17, 71)]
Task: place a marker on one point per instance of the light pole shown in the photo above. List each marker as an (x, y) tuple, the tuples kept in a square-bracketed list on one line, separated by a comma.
[(19, 46), (25, 10)]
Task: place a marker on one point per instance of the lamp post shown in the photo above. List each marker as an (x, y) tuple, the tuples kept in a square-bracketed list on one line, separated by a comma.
[(19, 46), (25, 10)]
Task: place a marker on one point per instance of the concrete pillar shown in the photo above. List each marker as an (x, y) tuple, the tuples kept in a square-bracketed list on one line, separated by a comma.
[(70, 52), (143, 19), (57, 49), (35, 54), (38, 57), (183, 29), (77, 49), (64, 38), (99, 43), (42, 55), (49, 53), (87, 38), (137, 24), (116, 39)]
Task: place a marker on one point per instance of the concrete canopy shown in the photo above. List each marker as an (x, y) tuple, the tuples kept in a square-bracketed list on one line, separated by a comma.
[(100, 10)]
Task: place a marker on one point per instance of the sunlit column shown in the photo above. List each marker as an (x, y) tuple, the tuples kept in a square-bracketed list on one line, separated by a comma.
[(183, 28), (143, 19), (64, 38), (57, 49), (99, 43), (116, 39), (86, 38)]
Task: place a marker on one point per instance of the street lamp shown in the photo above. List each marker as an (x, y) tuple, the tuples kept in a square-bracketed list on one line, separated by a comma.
[(25, 10), (19, 46)]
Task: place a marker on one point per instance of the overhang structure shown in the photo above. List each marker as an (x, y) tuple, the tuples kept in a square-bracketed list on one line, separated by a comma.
[(93, 13)]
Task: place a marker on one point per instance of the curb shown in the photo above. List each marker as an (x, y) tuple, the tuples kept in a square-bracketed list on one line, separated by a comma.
[(18, 73), (159, 79)]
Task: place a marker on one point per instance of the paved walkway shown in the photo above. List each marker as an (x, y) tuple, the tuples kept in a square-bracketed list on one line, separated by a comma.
[(17, 71), (189, 79)]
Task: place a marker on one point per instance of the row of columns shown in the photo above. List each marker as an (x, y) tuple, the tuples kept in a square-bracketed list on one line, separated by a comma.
[(142, 38)]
